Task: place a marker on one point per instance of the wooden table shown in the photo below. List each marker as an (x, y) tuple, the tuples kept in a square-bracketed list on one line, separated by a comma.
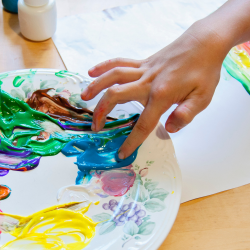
[(216, 222)]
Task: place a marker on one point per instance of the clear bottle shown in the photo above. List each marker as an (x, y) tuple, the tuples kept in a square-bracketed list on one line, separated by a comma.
[(37, 19)]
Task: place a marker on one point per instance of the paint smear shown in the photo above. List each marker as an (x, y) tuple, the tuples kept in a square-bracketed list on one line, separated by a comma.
[(58, 107), (61, 227), (237, 64), (28, 134), (114, 182), (5, 192)]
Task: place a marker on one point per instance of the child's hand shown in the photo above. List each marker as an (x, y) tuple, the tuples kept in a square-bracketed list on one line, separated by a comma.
[(185, 73)]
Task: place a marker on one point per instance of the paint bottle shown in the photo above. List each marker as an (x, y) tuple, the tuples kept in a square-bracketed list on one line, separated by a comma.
[(10, 5), (37, 19)]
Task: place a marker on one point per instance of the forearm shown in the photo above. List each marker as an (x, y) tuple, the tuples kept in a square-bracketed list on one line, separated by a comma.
[(224, 28)]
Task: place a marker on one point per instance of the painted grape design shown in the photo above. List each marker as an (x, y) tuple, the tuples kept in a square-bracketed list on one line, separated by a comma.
[(127, 212), (134, 217)]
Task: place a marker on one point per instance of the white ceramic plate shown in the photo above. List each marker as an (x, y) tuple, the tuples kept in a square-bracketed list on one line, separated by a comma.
[(157, 185)]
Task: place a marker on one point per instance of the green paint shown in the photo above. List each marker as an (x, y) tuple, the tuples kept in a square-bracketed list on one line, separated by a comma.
[(64, 73), (2, 76), (236, 71), (16, 113), (17, 82), (33, 72), (52, 146)]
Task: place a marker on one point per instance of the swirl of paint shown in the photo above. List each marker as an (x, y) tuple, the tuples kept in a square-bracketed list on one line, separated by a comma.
[(59, 107), (237, 64), (28, 134), (48, 228)]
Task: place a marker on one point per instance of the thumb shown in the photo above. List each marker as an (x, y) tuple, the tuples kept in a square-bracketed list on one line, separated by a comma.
[(184, 114)]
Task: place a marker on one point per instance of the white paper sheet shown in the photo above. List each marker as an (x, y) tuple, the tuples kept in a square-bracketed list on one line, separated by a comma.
[(213, 151)]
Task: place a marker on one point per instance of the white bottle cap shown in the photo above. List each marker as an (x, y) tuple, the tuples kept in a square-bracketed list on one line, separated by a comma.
[(36, 3)]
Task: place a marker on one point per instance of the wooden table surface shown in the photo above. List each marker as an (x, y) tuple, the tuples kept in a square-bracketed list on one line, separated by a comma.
[(216, 222)]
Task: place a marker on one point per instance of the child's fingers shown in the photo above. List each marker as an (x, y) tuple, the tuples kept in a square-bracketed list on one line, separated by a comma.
[(114, 95), (116, 75), (185, 113), (103, 67), (144, 126)]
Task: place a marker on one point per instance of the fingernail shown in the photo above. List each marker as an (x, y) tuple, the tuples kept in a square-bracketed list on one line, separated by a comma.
[(84, 93), (93, 126), (92, 69), (170, 127), (121, 155)]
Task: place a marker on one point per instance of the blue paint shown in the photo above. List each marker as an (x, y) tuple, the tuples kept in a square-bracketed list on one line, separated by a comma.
[(10, 5), (98, 151)]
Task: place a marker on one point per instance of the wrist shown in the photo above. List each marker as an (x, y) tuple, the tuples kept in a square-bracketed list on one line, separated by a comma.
[(226, 30), (207, 37)]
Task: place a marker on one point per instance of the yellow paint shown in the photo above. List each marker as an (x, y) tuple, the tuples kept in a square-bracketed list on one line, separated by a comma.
[(241, 57), (57, 228), (172, 192)]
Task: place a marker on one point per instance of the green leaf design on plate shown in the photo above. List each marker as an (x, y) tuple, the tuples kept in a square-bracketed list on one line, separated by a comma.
[(121, 116), (150, 186), (130, 228), (138, 192), (17, 82), (76, 100), (48, 84), (159, 193), (28, 88), (146, 218), (146, 228), (17, 93), (60, 89), (154, 205), (107, 227), (103, 218), (137, 238)]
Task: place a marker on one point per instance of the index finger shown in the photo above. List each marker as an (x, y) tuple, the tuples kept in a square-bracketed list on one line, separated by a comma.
[(103, 67), (144, 126)]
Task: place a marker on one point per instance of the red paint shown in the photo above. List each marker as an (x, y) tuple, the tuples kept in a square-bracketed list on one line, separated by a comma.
[(100, 113), (244, 46), (117, 182)]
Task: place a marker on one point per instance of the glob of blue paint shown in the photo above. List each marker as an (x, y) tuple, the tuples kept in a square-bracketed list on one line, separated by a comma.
[(98, 151)]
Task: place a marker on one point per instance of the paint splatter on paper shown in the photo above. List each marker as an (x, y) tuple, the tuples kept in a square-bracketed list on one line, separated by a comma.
[(237, 64)]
